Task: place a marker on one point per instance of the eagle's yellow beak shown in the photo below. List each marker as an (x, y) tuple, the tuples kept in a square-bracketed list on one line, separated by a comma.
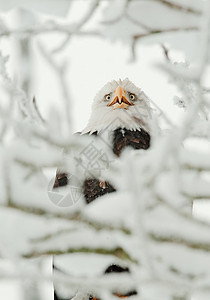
[(120, 93), (120, 100)]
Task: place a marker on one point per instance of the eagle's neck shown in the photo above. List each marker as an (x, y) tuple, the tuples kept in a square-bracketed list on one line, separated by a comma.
[(122, 137), (120, 118)]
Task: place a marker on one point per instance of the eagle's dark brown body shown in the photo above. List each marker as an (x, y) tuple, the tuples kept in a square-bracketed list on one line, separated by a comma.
[(122, 137), (137, 139), (94, 188)]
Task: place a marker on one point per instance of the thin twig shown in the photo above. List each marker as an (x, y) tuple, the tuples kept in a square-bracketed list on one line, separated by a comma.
[(166, 52), (180, 7), (45, 29), (160, 31), (84, 21), (156, 32), (37, 110), (136, 22), (60, 71)]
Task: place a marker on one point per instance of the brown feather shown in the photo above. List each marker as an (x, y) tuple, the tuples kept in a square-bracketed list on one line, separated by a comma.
[(122, 137)]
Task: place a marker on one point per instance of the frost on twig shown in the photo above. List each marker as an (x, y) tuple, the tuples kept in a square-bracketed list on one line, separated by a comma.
[(60, 71)]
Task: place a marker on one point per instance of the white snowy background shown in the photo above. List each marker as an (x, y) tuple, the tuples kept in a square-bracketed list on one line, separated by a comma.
[(63, 52)]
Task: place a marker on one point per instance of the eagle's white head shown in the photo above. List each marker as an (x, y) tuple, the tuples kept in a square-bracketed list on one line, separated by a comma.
[(119, 104)]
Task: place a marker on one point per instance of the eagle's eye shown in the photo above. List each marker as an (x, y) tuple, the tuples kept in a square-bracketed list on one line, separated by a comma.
[(108, 97), (132, 96)]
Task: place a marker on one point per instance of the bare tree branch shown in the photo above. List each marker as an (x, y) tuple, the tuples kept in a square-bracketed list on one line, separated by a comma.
[(93, 7), (180, 7)]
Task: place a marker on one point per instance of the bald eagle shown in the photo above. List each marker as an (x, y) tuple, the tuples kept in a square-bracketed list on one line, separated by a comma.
[(122, 109)]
